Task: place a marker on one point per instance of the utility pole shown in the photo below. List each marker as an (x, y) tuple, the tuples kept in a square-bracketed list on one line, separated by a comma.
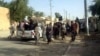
[(73, 17), (69, 16), (66, 14), (51, 9), (86, 16)]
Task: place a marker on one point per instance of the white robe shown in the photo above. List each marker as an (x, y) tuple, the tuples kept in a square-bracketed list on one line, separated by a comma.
[(38, 31)]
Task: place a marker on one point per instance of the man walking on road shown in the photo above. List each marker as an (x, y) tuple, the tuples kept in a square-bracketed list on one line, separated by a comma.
[(74, 27), (37, 34), (12, 30)]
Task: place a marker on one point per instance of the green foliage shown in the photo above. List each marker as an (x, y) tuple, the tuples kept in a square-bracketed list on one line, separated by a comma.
[(1, 2), (30, 11), (4, 4), (38, 14), (19, 9), (95, 8), (57, 15)]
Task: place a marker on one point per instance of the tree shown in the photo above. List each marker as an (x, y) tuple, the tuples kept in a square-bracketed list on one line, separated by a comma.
[(41, 14), (19, 9), (1, 2), (57, 15), (95, 8), (30, 11), (38, 14), (4, 4)]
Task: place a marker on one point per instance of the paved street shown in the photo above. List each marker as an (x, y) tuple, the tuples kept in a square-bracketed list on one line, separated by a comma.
[(56, 48)]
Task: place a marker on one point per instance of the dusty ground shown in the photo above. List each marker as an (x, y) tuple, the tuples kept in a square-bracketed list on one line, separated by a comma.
[(56, 48)]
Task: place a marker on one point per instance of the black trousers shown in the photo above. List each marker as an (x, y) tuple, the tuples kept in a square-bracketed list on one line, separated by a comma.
[(63, 34), (73, 36), (48, 38)]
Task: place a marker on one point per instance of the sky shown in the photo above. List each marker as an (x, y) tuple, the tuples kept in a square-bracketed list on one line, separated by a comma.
[(71, 8)]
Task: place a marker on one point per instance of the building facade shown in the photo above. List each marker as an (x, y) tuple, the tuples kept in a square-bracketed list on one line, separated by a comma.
[(4, 19), (4, 22)]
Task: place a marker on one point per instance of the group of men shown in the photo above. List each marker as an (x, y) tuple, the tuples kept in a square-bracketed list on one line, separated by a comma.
[(61, 29), (48, 31)]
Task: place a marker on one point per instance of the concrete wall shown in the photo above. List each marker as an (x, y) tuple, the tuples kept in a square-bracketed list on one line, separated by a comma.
[(4, 22)]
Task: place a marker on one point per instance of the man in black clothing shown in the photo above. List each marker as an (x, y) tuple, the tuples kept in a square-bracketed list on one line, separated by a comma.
[(48, 33), (55, 31)]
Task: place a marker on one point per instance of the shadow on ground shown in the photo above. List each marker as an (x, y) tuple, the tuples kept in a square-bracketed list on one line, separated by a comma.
[(46, 50), (93, 45), (17, 52), (30, 49), (9, 39)]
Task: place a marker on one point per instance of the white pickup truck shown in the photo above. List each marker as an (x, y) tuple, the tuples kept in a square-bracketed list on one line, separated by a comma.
[(27, 35)]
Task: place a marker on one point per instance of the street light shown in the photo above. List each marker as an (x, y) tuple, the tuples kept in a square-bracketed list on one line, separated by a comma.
[(86, 16)]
